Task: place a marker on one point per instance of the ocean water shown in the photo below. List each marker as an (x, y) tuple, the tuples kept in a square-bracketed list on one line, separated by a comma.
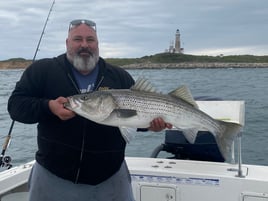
[(248, 84)]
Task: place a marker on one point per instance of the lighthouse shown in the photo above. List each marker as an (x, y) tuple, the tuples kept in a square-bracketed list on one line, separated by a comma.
[(175, 47), (178, 42)]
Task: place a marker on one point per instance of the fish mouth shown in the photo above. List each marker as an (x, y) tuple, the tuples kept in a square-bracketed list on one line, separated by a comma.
[(70, 104)]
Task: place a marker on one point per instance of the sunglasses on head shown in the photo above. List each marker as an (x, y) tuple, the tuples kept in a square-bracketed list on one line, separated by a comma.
[(89, 23)]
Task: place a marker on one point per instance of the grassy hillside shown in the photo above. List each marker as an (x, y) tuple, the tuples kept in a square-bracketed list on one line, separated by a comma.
[(178, 58)]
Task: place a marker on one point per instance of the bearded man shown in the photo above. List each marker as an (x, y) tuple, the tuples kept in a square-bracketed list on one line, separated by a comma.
[(77, 159)]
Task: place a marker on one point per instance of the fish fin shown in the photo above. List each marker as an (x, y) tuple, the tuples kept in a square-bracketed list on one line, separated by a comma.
[(125, 113), (190, 134), (184, 93), (225, 140), (143, 84), (127, 133)]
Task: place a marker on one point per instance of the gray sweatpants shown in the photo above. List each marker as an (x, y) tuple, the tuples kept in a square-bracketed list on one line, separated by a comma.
[(45, 186)]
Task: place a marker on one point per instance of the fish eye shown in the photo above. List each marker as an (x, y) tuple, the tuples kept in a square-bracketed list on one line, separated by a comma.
[(84, 98)]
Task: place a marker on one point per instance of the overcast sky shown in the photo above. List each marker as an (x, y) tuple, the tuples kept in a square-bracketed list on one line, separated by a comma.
[(136, 28)]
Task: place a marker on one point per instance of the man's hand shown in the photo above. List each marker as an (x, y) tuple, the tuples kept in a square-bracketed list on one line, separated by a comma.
[(159, 124), (57, 108)]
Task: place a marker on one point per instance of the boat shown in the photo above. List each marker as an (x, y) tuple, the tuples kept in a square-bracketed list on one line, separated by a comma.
[(180, 177)]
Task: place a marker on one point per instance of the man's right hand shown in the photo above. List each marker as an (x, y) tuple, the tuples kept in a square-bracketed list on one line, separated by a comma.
[(57, 107)]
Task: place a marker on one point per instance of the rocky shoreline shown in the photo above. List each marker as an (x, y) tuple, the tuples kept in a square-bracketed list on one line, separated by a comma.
[(149, 65), (195, 65)]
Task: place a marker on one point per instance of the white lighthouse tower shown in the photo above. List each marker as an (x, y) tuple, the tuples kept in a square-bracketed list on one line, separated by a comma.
[(178, 48)]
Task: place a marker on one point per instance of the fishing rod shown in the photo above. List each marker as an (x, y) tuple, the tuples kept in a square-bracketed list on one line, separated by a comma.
[(5, 161)]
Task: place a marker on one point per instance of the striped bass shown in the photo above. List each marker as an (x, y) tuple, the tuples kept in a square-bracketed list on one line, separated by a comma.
[(138, 106)]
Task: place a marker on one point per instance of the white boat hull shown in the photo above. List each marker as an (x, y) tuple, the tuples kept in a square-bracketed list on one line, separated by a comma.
[(174, 180), (180, 180)]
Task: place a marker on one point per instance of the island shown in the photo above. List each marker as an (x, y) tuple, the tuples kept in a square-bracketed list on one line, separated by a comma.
[(169, 61)]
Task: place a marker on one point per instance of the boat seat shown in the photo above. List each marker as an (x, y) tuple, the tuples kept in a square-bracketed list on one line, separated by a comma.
[(205, 147), (18, 196)]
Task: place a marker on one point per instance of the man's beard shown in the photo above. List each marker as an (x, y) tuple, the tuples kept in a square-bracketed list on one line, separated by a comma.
[(85, 64)]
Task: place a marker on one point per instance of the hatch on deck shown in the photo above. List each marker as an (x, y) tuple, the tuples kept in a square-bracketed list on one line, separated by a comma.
[(149, 192)]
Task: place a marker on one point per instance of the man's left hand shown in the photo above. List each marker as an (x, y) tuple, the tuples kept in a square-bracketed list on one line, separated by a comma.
[(159, 124)]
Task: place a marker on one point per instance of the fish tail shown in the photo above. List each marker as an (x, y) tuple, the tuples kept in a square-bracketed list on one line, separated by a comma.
[(226, 138)]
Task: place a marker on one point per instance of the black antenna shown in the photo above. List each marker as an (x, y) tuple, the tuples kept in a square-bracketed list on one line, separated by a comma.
[(5, 160)]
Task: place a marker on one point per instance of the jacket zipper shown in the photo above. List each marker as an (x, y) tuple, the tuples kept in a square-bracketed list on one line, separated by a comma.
[(81, 153), (84, 127)]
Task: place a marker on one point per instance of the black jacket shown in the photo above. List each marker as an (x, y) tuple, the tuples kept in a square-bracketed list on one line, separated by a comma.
[(77, 149)]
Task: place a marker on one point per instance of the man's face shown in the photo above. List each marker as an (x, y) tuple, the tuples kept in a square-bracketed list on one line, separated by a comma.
[(82, 47)]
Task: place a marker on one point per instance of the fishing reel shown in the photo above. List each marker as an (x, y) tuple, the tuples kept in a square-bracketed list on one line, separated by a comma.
[(5, 161)]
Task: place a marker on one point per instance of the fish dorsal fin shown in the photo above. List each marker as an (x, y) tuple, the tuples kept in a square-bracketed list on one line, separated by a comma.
[(143, 84), (184, 93)]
